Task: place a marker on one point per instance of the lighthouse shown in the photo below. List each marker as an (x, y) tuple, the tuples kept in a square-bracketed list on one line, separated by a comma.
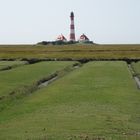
[(72, 27)]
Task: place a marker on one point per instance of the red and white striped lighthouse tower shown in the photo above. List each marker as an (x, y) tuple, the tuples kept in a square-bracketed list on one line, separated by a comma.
[(72, 27)]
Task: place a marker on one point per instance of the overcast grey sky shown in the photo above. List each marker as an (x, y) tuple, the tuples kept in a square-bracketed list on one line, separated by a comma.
[(103, 21)]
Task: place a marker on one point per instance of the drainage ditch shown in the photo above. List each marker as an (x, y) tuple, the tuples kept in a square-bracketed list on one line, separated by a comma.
[(47, 82), (13, 66), (44, 82), (51, 78), (136, 78)]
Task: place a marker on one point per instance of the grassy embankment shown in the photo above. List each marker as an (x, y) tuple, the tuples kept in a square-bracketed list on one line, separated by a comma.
[(70, 52), (136, 68), (98, 100), (20, 78), (5, 65)]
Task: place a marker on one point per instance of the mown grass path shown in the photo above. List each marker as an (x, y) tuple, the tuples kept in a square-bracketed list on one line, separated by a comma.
[(98, 100)]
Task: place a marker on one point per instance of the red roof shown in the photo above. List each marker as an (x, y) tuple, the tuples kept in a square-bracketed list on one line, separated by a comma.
[(61, 37), (84, 37)]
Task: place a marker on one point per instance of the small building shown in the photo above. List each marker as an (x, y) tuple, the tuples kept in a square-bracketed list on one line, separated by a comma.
[(61, 38), (83, 38)]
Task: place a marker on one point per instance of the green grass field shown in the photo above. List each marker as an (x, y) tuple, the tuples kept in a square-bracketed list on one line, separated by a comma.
[(81, 51), (11, 64), (98, 100), (27, 75)]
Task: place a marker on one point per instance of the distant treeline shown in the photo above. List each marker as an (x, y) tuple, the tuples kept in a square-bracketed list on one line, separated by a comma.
[(62, 42)]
